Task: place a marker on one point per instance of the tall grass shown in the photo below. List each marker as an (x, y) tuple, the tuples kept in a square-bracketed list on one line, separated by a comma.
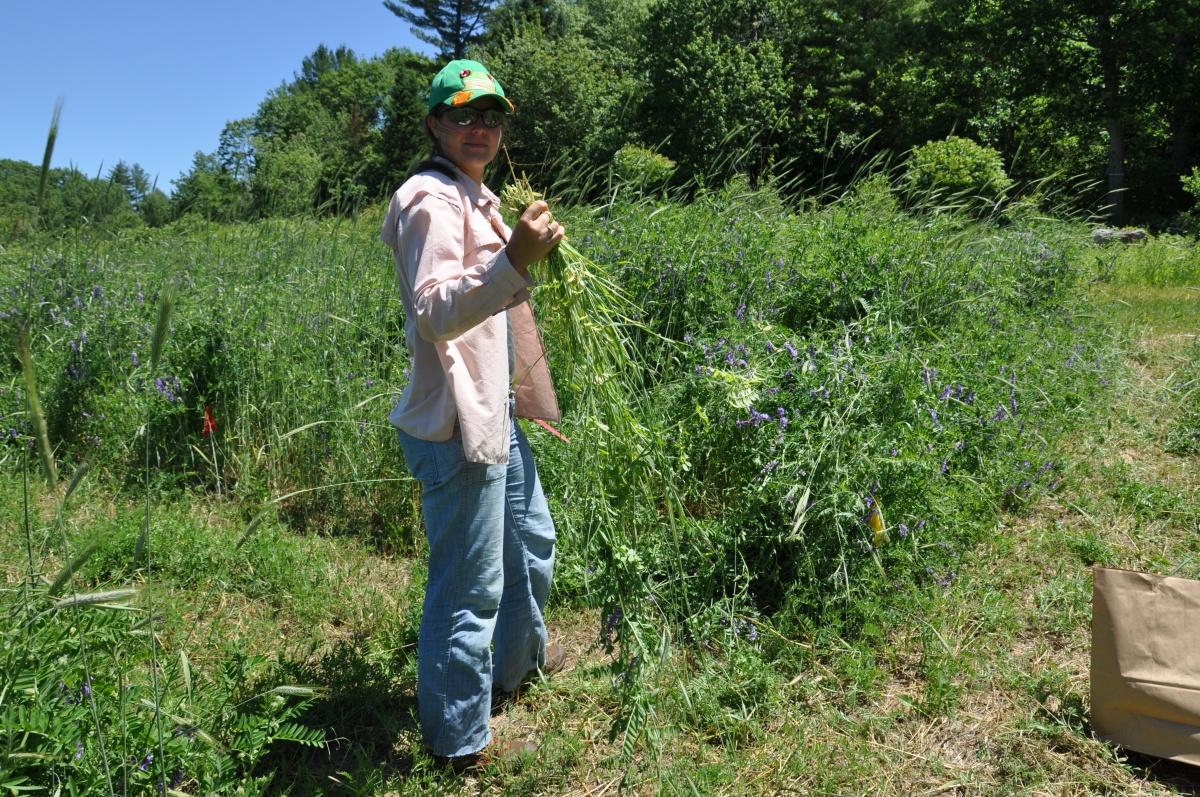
[(67, 660)]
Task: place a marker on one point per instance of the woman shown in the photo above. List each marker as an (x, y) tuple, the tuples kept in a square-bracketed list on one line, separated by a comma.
[(477, 361)]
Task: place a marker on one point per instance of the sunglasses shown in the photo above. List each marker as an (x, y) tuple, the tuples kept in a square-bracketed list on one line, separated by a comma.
[(468, 116)]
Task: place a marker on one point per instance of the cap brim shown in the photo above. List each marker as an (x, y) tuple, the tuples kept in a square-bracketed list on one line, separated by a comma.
[(461, 98)]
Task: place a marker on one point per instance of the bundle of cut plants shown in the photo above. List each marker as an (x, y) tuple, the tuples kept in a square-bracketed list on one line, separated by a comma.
[(589, 318)]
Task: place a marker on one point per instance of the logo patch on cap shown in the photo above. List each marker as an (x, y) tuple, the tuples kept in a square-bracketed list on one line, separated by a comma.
[(482, 82)]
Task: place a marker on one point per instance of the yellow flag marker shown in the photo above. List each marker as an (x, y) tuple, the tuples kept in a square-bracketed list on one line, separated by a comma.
[(875, 522)]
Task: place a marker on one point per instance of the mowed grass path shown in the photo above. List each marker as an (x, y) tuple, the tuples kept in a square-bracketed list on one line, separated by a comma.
[(982, 689)]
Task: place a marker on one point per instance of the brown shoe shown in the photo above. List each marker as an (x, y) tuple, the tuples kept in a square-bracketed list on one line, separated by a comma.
[(498, 750), (555, 661)]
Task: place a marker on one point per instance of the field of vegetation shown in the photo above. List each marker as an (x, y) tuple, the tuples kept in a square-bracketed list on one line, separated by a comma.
[(846, 550)]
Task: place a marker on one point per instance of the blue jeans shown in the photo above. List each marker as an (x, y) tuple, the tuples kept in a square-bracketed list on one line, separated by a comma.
[(491, 557)]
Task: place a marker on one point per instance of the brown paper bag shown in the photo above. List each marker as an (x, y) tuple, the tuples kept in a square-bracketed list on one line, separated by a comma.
[(1146, 663)]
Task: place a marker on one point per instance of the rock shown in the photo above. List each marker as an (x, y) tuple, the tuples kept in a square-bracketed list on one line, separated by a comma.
[(1107, 235)]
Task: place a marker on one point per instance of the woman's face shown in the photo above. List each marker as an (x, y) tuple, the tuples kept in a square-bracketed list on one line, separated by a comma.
[(471, 147)]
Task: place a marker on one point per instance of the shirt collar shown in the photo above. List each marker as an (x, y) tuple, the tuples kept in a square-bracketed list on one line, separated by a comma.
[(479, 194)]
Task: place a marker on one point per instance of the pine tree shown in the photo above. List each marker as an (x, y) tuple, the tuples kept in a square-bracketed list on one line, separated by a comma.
[(451, 25)]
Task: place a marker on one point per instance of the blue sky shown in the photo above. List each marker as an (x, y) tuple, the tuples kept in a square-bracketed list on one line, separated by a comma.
[(152, 82)]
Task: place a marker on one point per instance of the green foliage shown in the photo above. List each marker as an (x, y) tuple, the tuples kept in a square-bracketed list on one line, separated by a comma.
[(571, 104), (957, 168), (452, 25), (1189, 219), (72, 200), (1191, 183), (81, 709), (641, 169), (210, 191), (718, 102), (1163, 260), (286, 178), (402, 140)]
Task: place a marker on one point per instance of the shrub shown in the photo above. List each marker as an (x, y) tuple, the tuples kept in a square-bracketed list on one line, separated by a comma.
[(958, 168), (641, 169), (1189, 220)]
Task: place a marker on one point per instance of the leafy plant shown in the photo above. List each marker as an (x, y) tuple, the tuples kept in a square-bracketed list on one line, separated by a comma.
[(641, 169), (956, 168)]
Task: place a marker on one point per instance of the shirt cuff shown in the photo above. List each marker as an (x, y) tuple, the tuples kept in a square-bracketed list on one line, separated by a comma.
[(505, 274)]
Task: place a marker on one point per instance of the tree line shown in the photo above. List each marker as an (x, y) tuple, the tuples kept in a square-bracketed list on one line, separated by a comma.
[(1099, 96)]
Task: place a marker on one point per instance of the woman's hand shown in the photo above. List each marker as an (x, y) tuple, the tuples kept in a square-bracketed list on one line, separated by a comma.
[(534, 235)]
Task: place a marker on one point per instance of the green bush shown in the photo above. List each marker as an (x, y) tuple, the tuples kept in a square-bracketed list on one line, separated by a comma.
[(957, 168), (1189, 219), (641, 169)]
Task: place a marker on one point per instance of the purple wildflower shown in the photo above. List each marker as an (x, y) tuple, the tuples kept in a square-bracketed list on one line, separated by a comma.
[(146, 762), (929, 375), (945, 394), (133, 357), (97, 292), (791, 350), (902, 529), (740, 313), (770, 347), (1001, 413)]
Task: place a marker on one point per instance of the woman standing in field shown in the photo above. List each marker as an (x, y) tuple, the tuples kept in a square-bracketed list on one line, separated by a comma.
[(477, 361)]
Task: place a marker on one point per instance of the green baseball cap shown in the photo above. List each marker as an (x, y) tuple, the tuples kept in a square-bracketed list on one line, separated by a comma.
[(459, 82)]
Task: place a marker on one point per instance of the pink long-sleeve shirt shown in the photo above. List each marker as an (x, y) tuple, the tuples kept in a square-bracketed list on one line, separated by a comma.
[(458, 286)]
